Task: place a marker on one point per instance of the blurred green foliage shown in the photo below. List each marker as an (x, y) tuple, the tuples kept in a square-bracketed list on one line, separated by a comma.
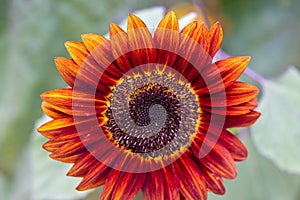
[(32, 33), (259, 179), (267, 30), (279, 104)]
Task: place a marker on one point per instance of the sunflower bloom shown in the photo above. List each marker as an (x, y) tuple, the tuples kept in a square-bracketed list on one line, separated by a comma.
[(150, 111)]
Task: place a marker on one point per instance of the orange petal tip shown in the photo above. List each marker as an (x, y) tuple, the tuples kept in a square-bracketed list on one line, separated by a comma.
[(244, 59), (217, 24), (59, 60), (114, 29), (71, 45), (86, 36), (134, 22), (217, 27), (170, 21), (42, 128), (92, 36), (171, 13)]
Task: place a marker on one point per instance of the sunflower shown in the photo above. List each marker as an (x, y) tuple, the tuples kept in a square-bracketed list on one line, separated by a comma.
[(150, 111)]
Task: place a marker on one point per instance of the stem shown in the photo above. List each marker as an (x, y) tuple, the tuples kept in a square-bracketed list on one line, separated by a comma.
[(255, 76)]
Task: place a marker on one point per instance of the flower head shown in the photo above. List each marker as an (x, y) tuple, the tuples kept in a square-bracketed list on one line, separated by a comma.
[(149, 111)]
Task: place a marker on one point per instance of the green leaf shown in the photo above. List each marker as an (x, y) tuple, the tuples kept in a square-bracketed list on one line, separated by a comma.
[(276, 134), (259, 179)]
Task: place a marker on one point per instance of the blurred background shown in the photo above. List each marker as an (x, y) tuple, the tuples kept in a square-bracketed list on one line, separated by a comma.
[(33, 32)]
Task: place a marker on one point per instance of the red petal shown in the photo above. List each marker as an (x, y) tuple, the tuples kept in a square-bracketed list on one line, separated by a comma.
[(154, 186), (219, 122), (67, 69), (123, 190), (67, 148), (240, 109), (215, 36), (89, 71), (217, 158), (140, 42), (122, 185), (96, 176), (172, 189), (82, 165), (221, 74), (92, 41), (236, 148), (235, 94), (240, 92), (69, 152), (161, 184), (79, 53), (51, 112), (241, 120), (189, 177), (74, 102), (194, 50), (55, 143), (166, 38), (169, 22), (213, 181), (119, 47), (67, 125), (57, 126), (100, 49)]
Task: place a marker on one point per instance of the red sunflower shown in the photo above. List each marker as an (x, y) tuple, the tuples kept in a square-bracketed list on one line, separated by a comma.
[(150, 112)]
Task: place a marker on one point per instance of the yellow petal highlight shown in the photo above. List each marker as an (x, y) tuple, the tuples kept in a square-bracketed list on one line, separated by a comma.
[(170, 21)]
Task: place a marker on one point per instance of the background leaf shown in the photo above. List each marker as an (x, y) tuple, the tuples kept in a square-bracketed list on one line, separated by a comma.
[(276, 134), (260, 179), (49, 176), (266, 30)]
